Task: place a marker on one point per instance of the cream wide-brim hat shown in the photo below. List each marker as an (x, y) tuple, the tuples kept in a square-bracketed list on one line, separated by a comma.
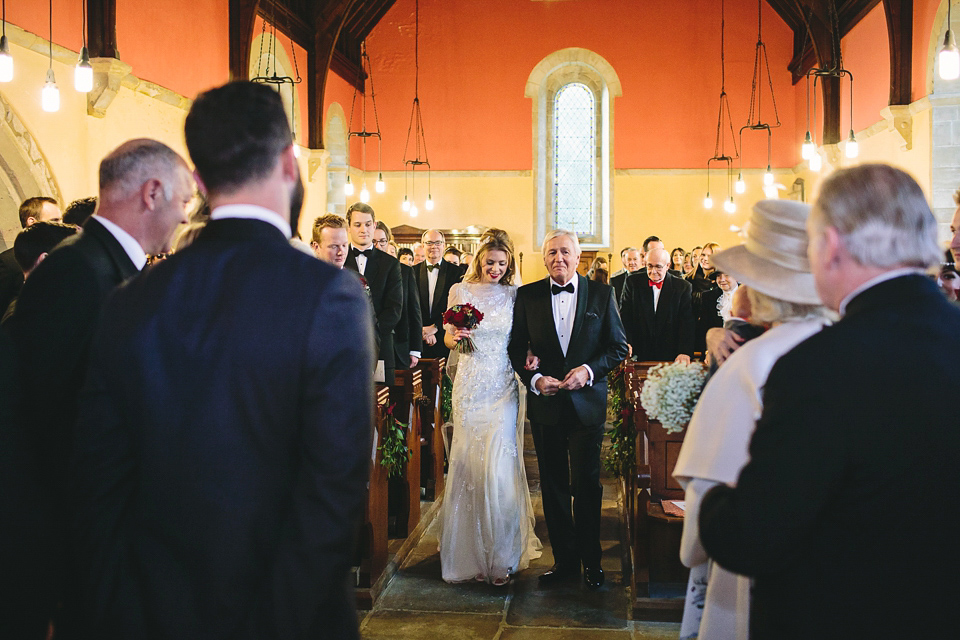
[(773, 259)]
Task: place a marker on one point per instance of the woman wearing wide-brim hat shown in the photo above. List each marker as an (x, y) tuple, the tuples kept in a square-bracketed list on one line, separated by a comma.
[(773, 264)]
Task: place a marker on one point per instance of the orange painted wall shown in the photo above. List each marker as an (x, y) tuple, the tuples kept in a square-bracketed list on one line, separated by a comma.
[(182, 45), (34, 16), (866, 54), (475, 58)]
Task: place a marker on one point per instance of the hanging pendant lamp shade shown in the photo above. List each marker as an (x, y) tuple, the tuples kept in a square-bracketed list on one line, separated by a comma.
[(949, 56)]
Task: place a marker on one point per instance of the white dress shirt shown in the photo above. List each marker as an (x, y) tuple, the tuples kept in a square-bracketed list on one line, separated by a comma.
[(564, 313), (130, 246), (432, 275), (253, 212), (361, 259), (656, 295)]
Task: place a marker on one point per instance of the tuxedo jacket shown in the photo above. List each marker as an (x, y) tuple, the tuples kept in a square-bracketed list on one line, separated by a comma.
[(708, 316), (408, 335), (11, 278), (660, 335), (597, 341), (846, 514), (617, 283), (223, 445), (382, 274), (449, 275)]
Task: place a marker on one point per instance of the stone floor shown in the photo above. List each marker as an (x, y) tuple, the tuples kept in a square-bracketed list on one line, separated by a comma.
[(418, 604)]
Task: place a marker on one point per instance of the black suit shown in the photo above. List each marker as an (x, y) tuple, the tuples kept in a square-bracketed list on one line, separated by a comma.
[(568, 427), (846, 514), (223, 445), (11, 278), (449, 275), (660, 335), (408, 335), (617, 283), (382, 274)]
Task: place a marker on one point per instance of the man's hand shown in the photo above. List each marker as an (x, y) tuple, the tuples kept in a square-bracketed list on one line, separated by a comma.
[(428, 331), (629, 350), (548, 385), (430, 340), (532, 363), (683, 358), (414, 361), (576, 379), (721, 343)]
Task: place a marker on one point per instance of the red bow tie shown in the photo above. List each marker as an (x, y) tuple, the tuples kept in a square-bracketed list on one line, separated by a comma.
[(658, 285)]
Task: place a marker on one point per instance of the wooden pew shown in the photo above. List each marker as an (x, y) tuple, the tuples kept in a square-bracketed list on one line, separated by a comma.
[(373, 535), (431, 424), (405, 393)]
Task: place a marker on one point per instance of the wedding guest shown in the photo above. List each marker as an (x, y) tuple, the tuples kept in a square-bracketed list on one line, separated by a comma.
[(419, 253), (623, 261), (144, 190), (405, 256), (382, 274), (466, 260), (80, 210), (600, 275), (695, 256), (38, 209), (651, 243), (435, 276), (218, 488), (571, 324), (949, 281), (598, 263), (715, 307), (452, 255), (393, 249), (955, 230), (632, 262), (781, 293), (676, 261), (32, 245), (407, 338), (656, 312), (737, 329), (186, 235), (687, 265), (329, 239), (845, 440)]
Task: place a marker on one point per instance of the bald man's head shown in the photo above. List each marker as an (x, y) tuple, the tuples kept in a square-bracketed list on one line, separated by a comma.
[(658, 261)]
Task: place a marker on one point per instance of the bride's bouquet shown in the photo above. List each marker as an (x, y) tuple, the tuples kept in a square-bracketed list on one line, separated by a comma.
[(671, 392), (463, 316)]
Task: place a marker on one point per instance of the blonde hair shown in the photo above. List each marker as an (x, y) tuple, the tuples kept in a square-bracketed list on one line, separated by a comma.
[(187, 235), (766, 309), (497, 243), (326, 221)]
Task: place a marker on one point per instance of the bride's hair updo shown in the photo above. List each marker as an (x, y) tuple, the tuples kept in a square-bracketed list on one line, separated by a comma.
[(492, 240)]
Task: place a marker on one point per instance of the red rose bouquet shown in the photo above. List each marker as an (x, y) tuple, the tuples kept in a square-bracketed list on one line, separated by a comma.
[(463, 316)]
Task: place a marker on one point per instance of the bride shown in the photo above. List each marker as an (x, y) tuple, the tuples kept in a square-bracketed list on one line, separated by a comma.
[(487, 519)]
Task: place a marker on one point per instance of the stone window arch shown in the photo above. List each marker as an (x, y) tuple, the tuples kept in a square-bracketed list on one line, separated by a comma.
[(945, 147), (579, 68), (336, 143)]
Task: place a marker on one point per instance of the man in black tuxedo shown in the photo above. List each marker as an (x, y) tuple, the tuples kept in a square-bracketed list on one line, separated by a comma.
[(632, 263), (657, 313), (382, 273), (223, 446), (571, 324), (848, 505), (38, 209), (407, 341), (144, 190), (32, 247), (434, 276)]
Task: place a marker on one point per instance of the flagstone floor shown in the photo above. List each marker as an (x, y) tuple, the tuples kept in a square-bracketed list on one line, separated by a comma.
[(418, 604)]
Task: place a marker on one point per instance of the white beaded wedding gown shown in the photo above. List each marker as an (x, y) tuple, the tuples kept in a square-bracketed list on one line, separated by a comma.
[(487, 519)]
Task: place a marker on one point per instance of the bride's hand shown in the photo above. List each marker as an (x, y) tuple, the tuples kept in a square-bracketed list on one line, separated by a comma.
[(532, 363), (460, 334)]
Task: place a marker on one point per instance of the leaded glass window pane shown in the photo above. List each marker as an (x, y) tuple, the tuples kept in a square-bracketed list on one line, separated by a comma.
[(574, 147)]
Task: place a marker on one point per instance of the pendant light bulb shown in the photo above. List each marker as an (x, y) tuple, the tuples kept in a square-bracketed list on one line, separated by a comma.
[(6, 61), (348, 187), (364, 194), (949, 57), (740, 186), (414, 211), (768, 177), (852, 147), (708, 202), (381, 186), (83, 73), (730, 206), (296, 150), (406, 204), (816, 162), (50, 94), (429, 203), (808, 149)]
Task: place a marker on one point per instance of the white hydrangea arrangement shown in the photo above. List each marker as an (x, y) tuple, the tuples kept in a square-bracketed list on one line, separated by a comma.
[(671, 392)]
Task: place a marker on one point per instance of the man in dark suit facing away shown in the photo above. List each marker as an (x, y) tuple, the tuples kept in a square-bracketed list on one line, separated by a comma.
[(224, 439), (407, 341), (144, 190), (656, 312), (846, 514), (434, 276), (383, 276), (37, 209)]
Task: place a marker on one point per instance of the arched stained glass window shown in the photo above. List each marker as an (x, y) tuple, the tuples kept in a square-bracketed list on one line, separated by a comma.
[(575, 158)]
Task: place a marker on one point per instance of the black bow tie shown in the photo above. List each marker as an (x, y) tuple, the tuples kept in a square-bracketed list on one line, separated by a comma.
[(431, 267), (356, 253), (557, 288)]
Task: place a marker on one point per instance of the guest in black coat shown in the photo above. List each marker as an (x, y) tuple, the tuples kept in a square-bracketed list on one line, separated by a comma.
[(382, 273), (656, 312), (571, 324), (434, 276), (632, 261), (223, 446), (32, 246), (38, 209), (407, 340), (845, 515), (144, 189)]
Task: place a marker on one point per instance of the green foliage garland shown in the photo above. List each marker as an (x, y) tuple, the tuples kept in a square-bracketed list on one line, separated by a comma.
[(446, 398), (394, 448), (621, 458)]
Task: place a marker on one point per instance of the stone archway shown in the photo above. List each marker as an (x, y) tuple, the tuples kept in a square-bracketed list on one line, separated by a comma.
[(24, 172), (945, 147), (336, 142)]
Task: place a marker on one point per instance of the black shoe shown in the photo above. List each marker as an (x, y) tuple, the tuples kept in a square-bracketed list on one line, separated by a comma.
[(560, 573), (593, 577)]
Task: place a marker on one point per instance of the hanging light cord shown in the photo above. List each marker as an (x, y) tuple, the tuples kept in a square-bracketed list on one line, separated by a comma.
[(84, 30), (51, 34), (4, 18)]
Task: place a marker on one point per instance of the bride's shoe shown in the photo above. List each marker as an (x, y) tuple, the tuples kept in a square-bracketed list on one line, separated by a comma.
[(501, 582)]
